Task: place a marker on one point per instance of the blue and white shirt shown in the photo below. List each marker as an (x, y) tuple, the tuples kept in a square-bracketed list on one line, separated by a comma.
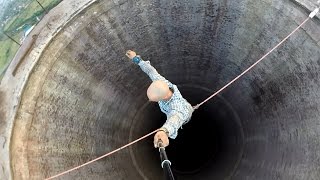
[(177, 109)]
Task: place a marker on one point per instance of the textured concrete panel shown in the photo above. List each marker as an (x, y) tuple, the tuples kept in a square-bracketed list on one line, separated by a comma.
[(84, 98)]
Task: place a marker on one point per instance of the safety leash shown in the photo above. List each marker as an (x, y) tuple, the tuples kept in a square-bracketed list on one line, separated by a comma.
[(312, 14), (103, 156)]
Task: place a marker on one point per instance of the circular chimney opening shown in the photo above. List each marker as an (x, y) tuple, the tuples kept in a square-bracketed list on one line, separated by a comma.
[(210, 144)]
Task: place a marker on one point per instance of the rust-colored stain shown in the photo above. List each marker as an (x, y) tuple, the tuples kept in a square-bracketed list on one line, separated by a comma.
[(219, 18)]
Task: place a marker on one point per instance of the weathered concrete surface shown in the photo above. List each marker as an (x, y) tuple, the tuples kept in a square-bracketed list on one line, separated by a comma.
[(11, 87), (83, 98)]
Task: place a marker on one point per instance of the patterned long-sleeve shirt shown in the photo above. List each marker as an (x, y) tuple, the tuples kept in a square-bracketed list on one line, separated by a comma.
[(177, 109)]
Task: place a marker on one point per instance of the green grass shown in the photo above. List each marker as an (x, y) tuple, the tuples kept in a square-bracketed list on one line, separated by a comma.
[(7, 51), (27, 16)]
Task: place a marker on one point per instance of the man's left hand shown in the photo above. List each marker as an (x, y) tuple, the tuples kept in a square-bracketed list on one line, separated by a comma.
[(131, 54)]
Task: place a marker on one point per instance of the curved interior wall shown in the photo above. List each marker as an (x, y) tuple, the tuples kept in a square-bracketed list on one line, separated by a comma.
[(85, 98)]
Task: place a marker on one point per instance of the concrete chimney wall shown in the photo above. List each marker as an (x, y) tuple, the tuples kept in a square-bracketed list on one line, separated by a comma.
[(84, 98)]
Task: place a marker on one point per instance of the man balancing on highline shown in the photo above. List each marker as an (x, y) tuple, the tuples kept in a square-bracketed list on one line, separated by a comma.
[(169, 98)]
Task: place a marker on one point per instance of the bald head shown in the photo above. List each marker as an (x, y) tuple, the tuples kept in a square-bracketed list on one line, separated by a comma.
[(158, 90)]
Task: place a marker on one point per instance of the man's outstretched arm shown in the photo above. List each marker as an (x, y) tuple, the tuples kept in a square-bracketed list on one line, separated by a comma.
[(173, 124), (145, 66)]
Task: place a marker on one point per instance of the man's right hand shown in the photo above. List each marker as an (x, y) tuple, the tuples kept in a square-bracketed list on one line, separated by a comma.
[(131, 54), (161, 135)]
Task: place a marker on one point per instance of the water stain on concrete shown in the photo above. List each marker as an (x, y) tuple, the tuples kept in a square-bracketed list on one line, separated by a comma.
[(2, 112)]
